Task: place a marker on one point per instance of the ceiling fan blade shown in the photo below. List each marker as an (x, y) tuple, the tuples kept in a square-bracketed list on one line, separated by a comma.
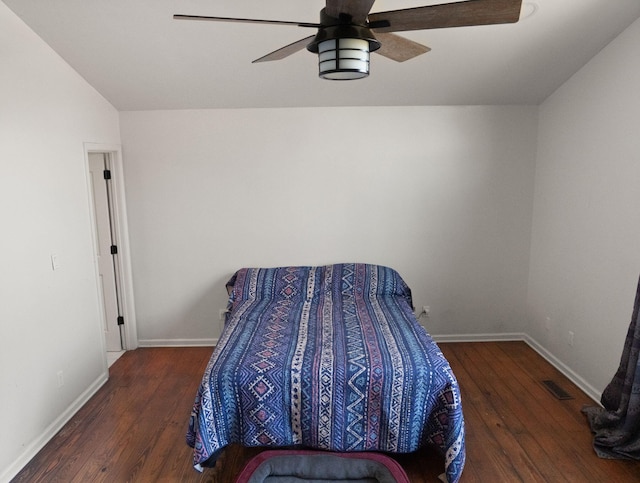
[(357, 9), (285, 51), (459, 14), (399, 48), (244, 20)]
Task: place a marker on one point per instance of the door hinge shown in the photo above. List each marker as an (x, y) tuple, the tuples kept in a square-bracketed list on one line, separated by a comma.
[(107, 174), (114, 249), (120, 320)]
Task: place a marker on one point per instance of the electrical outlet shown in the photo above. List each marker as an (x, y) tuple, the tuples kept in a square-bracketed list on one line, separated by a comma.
[(547, 324), (60, 378), (424, 312), (570, 337), (222, 315)]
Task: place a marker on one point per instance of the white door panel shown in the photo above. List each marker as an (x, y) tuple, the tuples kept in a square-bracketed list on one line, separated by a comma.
[(105, 258)]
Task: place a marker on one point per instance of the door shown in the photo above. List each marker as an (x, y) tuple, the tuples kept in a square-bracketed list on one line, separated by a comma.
[(98, 166)]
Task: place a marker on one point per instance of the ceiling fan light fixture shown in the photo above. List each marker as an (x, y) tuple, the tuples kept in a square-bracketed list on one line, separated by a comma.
[(343, 51), (343, 59)]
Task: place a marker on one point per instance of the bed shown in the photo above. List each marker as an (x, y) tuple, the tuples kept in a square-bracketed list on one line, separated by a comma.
[(328, 358)]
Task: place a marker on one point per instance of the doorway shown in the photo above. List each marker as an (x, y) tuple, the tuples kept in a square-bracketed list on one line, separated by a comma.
[(106, 185)]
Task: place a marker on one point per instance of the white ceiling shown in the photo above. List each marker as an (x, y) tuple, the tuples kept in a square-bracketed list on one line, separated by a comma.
[(139, 58)]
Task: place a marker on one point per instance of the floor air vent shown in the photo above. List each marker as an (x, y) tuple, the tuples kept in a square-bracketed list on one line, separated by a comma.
[(556, 390)]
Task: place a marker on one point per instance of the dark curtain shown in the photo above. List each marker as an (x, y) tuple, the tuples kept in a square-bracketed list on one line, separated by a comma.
[(617, 426)]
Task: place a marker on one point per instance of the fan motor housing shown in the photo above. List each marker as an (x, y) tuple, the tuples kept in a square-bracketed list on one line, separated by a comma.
[(344, 32), (341, 28)]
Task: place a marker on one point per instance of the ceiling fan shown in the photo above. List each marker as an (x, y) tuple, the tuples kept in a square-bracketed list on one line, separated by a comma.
[(345, 33)]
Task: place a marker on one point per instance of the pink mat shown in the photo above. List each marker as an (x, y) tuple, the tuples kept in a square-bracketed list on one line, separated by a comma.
[(314, 465)]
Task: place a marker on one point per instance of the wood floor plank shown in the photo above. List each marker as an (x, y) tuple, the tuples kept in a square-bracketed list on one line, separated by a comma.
[(134, 428), (532, 405), (527, 410), (479, 403), (569, 411)]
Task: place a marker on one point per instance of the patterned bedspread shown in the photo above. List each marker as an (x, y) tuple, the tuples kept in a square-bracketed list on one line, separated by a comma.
[(329, 358)]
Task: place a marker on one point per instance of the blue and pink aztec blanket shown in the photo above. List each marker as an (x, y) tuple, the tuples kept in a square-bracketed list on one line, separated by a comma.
[(327, 358)]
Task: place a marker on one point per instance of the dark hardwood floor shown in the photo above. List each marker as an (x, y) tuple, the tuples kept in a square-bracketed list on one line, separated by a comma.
[(133, 429)]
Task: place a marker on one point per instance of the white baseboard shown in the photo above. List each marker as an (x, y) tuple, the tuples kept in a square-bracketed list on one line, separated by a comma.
[(579, 381), (177, 342), (32, 448), (479, 337)]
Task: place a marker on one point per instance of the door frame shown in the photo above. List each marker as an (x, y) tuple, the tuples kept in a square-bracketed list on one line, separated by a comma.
[(123, 260)]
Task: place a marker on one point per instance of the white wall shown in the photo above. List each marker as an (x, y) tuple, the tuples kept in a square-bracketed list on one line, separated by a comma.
[(49, 321), (585, 254), (442, 194)]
